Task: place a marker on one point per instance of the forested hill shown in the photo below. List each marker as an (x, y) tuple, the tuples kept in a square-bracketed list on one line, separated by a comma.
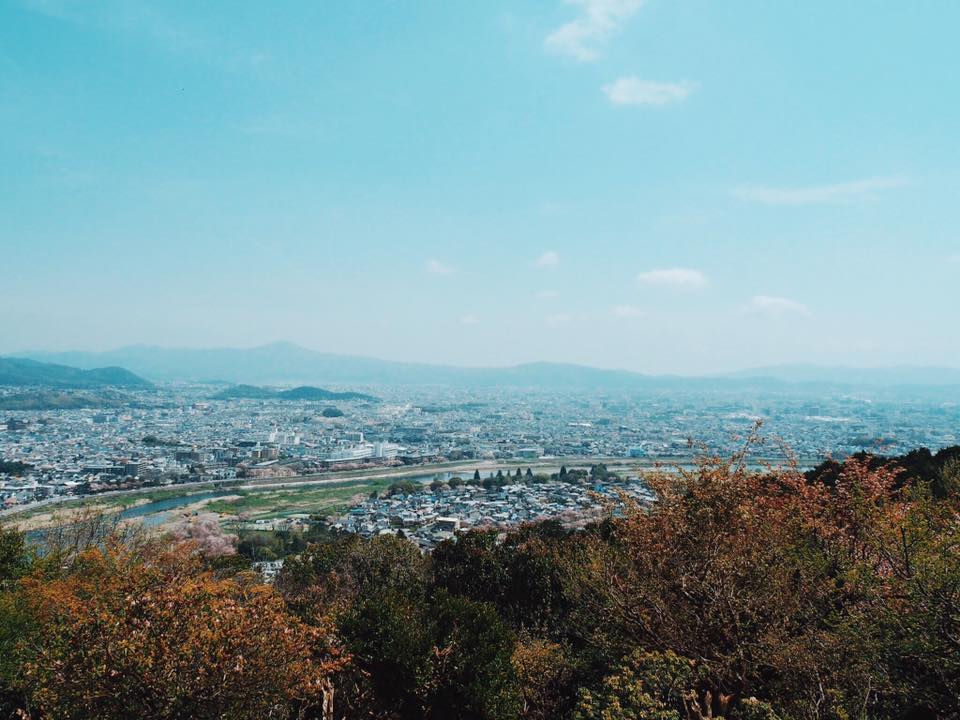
[(21, 371), (304, 392)]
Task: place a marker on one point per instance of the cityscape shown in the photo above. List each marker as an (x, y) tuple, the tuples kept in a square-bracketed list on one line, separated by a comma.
[(500, 360), (183, 434)]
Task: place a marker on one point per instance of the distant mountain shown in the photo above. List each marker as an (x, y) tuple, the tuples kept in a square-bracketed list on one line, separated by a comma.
[(22, 371), (883, 376), (304, 392), (286, 363), (245, 392)]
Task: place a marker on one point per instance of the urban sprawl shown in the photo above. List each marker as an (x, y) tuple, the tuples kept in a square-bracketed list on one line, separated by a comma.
[(177, 434)]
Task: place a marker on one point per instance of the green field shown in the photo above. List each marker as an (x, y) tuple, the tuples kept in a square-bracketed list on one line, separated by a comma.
[(325, 500)]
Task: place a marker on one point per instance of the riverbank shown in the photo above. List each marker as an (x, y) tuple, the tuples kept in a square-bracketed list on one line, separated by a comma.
[(319, 493)]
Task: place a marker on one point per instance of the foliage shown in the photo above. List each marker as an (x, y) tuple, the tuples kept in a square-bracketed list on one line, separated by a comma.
[(14, 467), (403, 487), (14, 560), (205, 534), (738, 594), (647, 686), (154, 631)]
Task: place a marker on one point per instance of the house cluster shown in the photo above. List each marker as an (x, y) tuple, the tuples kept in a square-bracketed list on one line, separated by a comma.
[(428, 517), (177, 433)]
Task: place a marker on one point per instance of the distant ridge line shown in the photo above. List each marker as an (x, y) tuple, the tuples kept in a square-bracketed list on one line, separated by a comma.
[(288, 364)]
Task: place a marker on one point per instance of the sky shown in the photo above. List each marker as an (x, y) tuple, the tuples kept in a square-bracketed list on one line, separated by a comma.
[(683, 186)]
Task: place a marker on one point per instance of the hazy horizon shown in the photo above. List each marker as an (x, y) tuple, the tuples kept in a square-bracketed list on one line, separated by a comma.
[(660, 186), (742, 372)]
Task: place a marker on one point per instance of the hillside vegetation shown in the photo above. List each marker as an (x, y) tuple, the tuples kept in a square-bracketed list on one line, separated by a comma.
[(737, 594), (304, 392), (19, 371)]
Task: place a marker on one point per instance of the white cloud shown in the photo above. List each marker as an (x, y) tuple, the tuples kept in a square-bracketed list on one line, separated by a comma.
[(955, 258), (549, 259), (626, 312), (547, 294), (634, 91), (673, 277), (439, 268), (837, 192), (558, 320), (776, 306), (582, 38), (469, 320)]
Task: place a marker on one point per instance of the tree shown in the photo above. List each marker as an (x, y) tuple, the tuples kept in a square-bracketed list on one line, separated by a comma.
[(444, 658), (388, 635), (476, 474), (206, 535), (157, 634), (472, 668), (947, 481), (14, 559), (543, 670), (339, 571), (740, 570), (647, 686), (470, 566), (455, 482), (15, 623), (403, 487), (599, 472)]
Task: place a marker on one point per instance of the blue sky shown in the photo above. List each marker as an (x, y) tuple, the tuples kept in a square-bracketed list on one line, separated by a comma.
[(666, 186)]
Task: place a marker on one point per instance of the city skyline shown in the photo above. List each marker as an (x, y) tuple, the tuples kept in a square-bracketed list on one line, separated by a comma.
[(658, 186)]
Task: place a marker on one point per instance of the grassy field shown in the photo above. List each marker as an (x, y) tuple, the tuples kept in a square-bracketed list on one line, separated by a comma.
[(325, 500)]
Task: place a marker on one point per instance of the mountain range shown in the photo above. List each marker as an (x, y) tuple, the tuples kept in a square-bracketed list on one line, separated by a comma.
[(290, 364)]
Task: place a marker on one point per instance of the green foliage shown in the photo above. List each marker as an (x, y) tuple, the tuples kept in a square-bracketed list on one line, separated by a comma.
[(404, 487), (14, 558), (647, 686), (470, 566), (388, 635), (15, 468), (473, 674), (15, 622)]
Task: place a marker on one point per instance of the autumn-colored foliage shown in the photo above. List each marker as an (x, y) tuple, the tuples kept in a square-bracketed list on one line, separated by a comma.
[(157, 636), (738, 594)]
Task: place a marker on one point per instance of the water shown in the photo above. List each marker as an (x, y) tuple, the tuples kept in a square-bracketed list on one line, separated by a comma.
[(157, 512), (154, 513)]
